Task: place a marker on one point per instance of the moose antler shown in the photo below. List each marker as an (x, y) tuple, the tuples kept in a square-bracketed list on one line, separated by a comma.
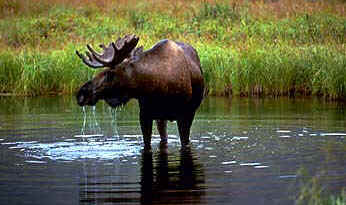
[(112, 55)]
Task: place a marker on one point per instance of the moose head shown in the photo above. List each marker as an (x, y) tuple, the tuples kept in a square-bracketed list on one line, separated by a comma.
[(112, 83)]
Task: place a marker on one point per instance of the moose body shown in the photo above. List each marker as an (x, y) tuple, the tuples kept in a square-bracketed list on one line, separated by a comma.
[(166, 80)]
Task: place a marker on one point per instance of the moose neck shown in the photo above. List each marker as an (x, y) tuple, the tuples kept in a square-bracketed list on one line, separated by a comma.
[(125, 83)]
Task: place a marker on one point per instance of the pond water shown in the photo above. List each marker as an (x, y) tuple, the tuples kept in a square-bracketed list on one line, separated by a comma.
[(243, 151)]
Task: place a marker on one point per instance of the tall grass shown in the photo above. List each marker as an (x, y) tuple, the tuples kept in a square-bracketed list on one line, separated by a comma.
[(312, 191), (275, 70), (37, 73), (285, 47)]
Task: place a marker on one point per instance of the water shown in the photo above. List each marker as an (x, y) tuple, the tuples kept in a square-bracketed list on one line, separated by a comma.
[(244, 151)]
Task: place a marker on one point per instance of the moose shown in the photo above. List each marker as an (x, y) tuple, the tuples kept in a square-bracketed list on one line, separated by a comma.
[(167, 80)]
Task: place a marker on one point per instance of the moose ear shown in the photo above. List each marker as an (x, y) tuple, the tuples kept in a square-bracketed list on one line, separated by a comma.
[(136, 54), (137, 51)]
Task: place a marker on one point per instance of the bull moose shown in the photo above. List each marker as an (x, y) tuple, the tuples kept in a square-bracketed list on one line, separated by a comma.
[(167, 81)]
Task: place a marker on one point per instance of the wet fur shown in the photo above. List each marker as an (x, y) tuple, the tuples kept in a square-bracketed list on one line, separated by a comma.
[(167, 80)]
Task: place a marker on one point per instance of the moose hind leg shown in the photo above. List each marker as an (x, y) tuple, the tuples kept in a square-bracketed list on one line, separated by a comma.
[(146, 127), (184, 125), (162, 129)]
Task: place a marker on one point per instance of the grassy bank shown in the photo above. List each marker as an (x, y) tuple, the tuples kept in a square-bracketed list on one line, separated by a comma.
[(285, 47), (313, 190)]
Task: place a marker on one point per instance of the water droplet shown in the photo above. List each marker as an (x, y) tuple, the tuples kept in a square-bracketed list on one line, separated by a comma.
[(229, 162), (35, 162), (131, 136), (283, 131), (261, 167), (285, 136), (8, 143), (239, 138), (250, 164), (14, 147), (173, 136), (287, 176), (333, 134), (69, 140), (88, 136), (209, 148)]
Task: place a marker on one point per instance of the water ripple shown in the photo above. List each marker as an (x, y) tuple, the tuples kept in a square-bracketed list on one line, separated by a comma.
[(101, 149)]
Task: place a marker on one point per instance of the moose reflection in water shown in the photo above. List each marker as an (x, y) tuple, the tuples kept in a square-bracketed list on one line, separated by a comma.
[(164, 178), (166, 80)]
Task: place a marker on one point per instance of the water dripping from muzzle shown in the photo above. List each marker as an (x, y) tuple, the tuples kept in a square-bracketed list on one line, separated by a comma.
[(90, 126), (95, 124), (114, 125), (84, 121)]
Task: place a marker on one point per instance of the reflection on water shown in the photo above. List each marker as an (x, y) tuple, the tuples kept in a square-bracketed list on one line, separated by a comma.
[(164, 177), (244, 151), (179, 179)]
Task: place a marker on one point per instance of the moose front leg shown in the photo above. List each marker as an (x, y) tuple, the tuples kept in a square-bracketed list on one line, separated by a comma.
[(146, 127), (162, 129), (184, 125)]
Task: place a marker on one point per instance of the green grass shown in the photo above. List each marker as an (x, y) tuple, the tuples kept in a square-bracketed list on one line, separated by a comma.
[(312, 191), (36, 73), (245, 48)]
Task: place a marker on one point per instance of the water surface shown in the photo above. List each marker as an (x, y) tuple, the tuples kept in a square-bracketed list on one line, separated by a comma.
[(244, 151)]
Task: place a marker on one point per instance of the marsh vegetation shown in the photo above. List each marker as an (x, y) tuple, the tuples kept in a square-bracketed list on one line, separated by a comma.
[(275, 48)]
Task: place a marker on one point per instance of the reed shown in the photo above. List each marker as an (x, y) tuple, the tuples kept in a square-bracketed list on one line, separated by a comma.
[(313, 191), (246, 48), (35, 73)]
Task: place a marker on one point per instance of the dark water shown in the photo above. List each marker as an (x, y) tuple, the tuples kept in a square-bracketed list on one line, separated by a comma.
[(244, 151)]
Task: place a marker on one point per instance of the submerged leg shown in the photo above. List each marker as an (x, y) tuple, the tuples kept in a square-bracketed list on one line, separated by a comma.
[(146, 127), (184, 125), (162, 128)]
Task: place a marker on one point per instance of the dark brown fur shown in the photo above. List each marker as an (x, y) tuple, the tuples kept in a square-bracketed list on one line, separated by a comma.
[(167, 81)]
